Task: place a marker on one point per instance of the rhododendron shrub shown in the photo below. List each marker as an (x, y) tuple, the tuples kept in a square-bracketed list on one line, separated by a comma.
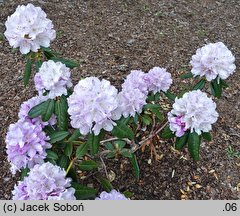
[(66, 130)]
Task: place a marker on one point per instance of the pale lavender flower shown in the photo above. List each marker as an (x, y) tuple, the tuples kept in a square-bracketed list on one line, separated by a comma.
[(28, 28), (213, 60), (131, 101), (44, 182), (26, 145), (136, 80), (28, 105), (53, 77), (158, 79), (194, 111), (92, 106), (113, 195)]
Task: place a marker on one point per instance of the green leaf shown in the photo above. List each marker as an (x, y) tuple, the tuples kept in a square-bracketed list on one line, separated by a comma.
[(109, 146), (106, 185), (68, 149), (119, 144), (58, 136), (169, 95), (49, 130), (63, 162), (61, 108), (121, 130), (207, 136), (76, 134), (146, 119), (82, 192), (52, 155), (68, 63), (111, 154), (72, 174), (88, 165), (223, 84), (48, 110), (82, 150), (186, 76), (126, 153), (181, 141), (38, 64), (27, 72), (24, 173), (216, 88), (135, 165), (94, 143), (200, 84), (167, 133), (194, 145), (151, 106)]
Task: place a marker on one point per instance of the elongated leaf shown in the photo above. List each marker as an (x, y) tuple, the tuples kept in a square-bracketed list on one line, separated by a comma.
[(68, 149), (126, 153), (109, 146), (49, 130), (181, 141), (72, 174), (106, 185), (68, 63), (63, 162), (76, 134), (82, 192), (52, 155), (146, 119), (151, 106), (48, 110), (207, 136), (37, 110), (94, 143), (88, 165), (223, 83), (216, 88), (121, 130), (27, 72), (38, 64), (167, 133), (119, 144), (82, 150), (194, 145), (135, 165), (61, 108), (186, 76), (24, 173), (58, 136), (169, 95), (200, 84)]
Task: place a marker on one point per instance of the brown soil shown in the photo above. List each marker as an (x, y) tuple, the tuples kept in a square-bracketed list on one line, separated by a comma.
[(114, 37)]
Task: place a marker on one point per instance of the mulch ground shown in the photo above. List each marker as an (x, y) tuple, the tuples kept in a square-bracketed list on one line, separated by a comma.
[(114, 37)]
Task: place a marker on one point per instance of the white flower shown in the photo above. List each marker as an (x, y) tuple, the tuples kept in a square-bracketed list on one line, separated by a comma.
[(92, 106), (28, 28), (53, 77), (194, 111), (158, 80), (44, 182), (213, 60)]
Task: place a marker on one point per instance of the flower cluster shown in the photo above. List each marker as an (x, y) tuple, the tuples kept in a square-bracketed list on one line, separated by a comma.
[(28, 105), (92, 106), (213, 60), (136, 87), (44, 182), (26, 145), (112, 195), (53, 77), (194, 111), (28, 28)]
